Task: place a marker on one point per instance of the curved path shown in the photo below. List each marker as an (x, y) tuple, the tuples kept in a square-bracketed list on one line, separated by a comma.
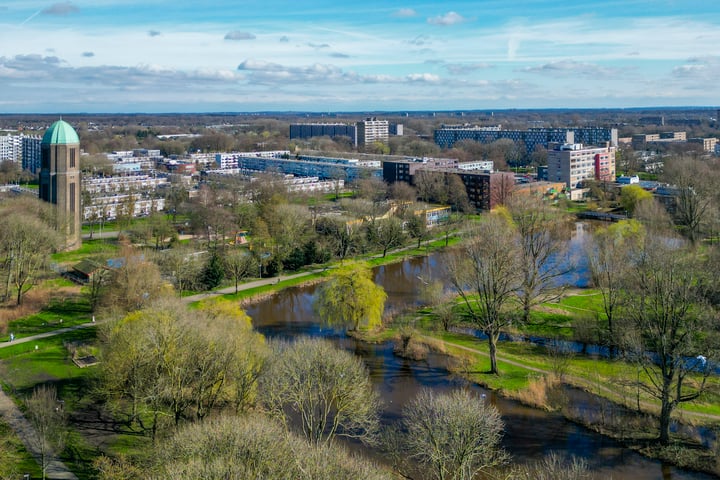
[(573, 380)]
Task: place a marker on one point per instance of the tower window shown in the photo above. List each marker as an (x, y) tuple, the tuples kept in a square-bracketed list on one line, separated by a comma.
[(72, 158)]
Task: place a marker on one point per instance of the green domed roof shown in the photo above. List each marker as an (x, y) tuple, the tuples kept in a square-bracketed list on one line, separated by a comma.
[(60, 133)]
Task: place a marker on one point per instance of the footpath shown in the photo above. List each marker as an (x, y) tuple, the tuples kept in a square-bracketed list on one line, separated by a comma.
[(575, 381), (12, 415)]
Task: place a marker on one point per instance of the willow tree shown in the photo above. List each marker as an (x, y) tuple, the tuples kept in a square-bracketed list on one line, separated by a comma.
[(351, 298), (486, 274)]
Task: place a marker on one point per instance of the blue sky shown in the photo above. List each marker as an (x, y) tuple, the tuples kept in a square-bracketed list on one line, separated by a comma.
[(190, 56)]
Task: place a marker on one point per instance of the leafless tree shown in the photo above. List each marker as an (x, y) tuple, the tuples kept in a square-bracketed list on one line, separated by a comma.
[(47, 416), (677, 335), (485, 272), (542, 250)]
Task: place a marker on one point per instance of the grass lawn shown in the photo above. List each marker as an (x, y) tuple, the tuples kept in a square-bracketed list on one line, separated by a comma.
[(58, 314), (89, 249), (17, 461)]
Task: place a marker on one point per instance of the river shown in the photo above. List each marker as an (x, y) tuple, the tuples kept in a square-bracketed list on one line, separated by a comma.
[(529, 433)]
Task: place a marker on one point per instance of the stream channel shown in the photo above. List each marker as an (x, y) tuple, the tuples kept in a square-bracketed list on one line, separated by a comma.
[(529, 433)]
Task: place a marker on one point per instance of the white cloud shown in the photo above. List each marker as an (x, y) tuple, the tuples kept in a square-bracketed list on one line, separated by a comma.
[(450, 18), (423, 77), (237, 35)]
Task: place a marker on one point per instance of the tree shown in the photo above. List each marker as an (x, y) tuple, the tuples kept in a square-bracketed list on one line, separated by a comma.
[(676, 335), (238, 264), (542, 248), (454, 436), (631, 196), (167, 362), (47, 417), (236, 447), (610, 255), (485, 272), (213, 272), (328, 390), (184, 265), (696, 183), (386, 233), (26, 242), (417, 227), (351, 298), (134, 283)]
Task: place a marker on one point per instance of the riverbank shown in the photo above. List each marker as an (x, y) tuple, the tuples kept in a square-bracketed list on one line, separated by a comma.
[(594, 405)]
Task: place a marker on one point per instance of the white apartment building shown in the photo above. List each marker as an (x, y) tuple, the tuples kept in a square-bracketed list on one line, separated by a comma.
[(483, 165), (373, 130), (574, 163), (11, 148)]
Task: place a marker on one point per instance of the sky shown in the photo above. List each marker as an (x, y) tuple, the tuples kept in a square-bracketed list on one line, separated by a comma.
[(115, 56)]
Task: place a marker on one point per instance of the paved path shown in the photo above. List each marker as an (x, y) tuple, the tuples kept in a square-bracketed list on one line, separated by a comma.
[(576, 381), (52, 333), (12, 415), (248, 285)]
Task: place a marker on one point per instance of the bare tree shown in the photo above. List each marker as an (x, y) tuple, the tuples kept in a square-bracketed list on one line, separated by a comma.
[(239, 264), (47, 417), (677, 335), (696, 183), (386, 233), (26, 242), (542, 249), (454, 436), (610, 255), (334, 397), (485, 272)]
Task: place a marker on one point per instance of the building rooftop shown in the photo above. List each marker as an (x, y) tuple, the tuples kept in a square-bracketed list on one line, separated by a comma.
[(60, 133)]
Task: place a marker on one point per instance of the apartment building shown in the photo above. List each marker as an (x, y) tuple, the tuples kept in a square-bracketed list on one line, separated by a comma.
[(572, 164), (372, 130), (448, 135)]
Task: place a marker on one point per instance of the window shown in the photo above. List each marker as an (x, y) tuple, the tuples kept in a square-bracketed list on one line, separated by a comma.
[(72, 197), (72, 158)]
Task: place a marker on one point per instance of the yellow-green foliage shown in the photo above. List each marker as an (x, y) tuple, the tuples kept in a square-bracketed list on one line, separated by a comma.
[(351, 298)]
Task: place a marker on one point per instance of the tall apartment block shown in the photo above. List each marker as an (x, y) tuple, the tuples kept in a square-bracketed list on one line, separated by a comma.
[(309, 130), (31, 153), (22, 149), (574, 163), (60, 179), (448, 135), (10, 148), (373, 130)]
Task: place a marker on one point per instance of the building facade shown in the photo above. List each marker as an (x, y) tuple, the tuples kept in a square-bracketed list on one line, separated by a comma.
[(60, 179), (31, 153), (372, 130), (708, 144), (309, 130), (572, 164), (11, 148), (448, 135), (485, 190)]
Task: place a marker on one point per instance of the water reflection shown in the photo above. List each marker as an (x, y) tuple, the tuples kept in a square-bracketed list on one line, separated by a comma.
[(529, 433)]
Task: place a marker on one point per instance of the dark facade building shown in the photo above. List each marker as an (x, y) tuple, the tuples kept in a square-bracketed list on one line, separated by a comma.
[(60, 179), (485, 191), (309, 130), (448, 135)]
